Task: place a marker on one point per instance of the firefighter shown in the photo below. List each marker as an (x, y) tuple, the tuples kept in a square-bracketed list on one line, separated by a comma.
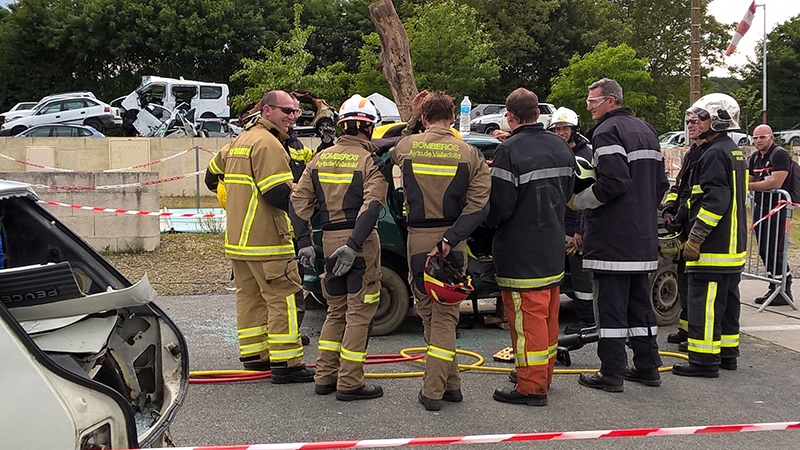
[(715, 252), (346, 184), (532, 179), (676, 214), (621, 241), (446, 184), (258, 183), (565, 123)]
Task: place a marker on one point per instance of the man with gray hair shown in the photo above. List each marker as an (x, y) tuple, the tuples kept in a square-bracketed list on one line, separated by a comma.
[(620, 244)]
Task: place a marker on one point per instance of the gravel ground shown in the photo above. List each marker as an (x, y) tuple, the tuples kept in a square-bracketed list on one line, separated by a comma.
[(183, 264)]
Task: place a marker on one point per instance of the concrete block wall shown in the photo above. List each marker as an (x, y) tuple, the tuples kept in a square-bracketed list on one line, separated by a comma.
[(94, 154), (102, 230)]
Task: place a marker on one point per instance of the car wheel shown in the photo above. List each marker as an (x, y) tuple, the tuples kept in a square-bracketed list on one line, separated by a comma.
[(664, 293), (743, 141), (393, 305), (94, 123), (323, 125), (208, 115), (17, 130), (490, 129)]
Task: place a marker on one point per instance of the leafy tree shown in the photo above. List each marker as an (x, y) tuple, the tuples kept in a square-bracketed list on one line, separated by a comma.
[(570, 87), (286, 67), (449, 50), (783, 75)]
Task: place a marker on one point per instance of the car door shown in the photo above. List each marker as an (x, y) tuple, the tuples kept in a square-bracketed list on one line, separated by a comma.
[(74, 111), (49, 113)]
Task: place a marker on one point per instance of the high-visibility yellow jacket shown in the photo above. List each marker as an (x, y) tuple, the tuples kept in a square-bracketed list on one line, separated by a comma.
[(258, 182)]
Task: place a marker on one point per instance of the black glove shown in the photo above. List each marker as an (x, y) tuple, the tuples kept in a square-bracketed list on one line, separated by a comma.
[(345, 256), (307, 255)]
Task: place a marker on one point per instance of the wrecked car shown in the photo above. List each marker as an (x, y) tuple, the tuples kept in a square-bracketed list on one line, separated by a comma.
[(89, 361)]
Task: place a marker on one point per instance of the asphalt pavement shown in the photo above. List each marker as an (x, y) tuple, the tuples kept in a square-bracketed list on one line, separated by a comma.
[(763, 389)]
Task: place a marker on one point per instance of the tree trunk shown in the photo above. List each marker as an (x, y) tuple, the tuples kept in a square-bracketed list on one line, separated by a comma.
[(395, 56)]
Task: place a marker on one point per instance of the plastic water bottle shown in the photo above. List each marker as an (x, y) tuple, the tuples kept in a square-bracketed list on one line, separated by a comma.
[(463, 125)]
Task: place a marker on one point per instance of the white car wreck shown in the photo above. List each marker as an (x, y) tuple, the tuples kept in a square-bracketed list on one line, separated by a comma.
[(89, 361)]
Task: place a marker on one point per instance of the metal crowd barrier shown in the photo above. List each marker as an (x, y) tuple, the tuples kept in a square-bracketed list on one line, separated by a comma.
[(768, 242)]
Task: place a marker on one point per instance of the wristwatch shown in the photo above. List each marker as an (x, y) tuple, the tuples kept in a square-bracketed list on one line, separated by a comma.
[(444, 239)]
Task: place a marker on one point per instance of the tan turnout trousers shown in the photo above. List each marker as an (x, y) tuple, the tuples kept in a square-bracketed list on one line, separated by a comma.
[(440, 321), (352, 302), (266, 314)]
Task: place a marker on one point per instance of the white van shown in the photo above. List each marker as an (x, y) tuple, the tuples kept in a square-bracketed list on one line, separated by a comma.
[(209, 100)]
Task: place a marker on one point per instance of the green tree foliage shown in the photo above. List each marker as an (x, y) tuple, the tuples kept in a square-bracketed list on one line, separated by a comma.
[(783, 75), (286, 67), (449, 50), (620, 63)]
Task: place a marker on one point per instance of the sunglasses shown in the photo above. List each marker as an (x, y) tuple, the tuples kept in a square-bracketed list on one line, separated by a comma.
[(287, 110), (692, 120)]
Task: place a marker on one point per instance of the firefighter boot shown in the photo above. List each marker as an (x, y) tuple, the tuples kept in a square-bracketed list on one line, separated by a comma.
[(678, 337), (779, 300), (511, 395), (608, 383), (584, 316), (254, 363), (648, 377), (512, 377), (453, 396), (297, 374), (728, 364), (363, 393), (695, 370), (430, 404)]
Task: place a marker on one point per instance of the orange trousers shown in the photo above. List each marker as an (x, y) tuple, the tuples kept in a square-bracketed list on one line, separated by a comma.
[(533, 320)]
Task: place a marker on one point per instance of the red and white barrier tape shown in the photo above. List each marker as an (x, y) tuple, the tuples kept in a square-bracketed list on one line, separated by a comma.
[(778, 206), (137, 166), (115, 186), (498, 438), (133, 212)]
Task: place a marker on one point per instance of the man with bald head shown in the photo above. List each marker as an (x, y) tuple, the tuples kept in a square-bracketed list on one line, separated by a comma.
[(769, 169), (255, 168)]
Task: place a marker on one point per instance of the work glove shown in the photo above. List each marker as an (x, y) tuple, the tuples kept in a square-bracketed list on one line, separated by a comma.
[(571, 204), (345, 256), (307, 255), (571, 247), (691, 250)]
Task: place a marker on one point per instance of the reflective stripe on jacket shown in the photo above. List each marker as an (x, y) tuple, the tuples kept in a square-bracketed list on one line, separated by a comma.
[(254, 163)]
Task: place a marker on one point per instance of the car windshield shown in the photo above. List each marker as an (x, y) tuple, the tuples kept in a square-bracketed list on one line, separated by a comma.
[(666, 137)]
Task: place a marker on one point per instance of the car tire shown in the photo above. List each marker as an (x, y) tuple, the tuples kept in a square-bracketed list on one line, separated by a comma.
[(208, 115), (94, 123), (324, 123), (664, 294), (743, 142), (490, 129), (393, 303), (17, 130)]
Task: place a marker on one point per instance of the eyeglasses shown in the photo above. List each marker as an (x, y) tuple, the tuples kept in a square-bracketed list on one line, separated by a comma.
[(591, 100), (692, 120), (756, 138), (287, 110)]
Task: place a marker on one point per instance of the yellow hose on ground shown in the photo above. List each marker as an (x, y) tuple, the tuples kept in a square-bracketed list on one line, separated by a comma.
[(477, 366)]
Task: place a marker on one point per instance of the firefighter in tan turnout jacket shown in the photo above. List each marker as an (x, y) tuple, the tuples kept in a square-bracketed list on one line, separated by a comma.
[(346, 184), (446, 182), (258, 180)]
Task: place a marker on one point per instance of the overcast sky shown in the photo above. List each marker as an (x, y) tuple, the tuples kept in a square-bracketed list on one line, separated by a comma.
[(730, 11)]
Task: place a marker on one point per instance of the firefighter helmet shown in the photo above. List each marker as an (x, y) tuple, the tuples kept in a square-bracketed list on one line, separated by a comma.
[(360, 109), (670, 246), (563, 116), (444, 281), (585, 175), (722, 109)]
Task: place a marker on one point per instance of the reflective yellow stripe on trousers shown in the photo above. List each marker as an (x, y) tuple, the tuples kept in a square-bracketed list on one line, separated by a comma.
[(707, 344)]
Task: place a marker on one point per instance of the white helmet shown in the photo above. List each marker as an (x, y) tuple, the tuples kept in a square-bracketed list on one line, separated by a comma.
[(563, 116), (585, 174), (722, 109), (360, 109)]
